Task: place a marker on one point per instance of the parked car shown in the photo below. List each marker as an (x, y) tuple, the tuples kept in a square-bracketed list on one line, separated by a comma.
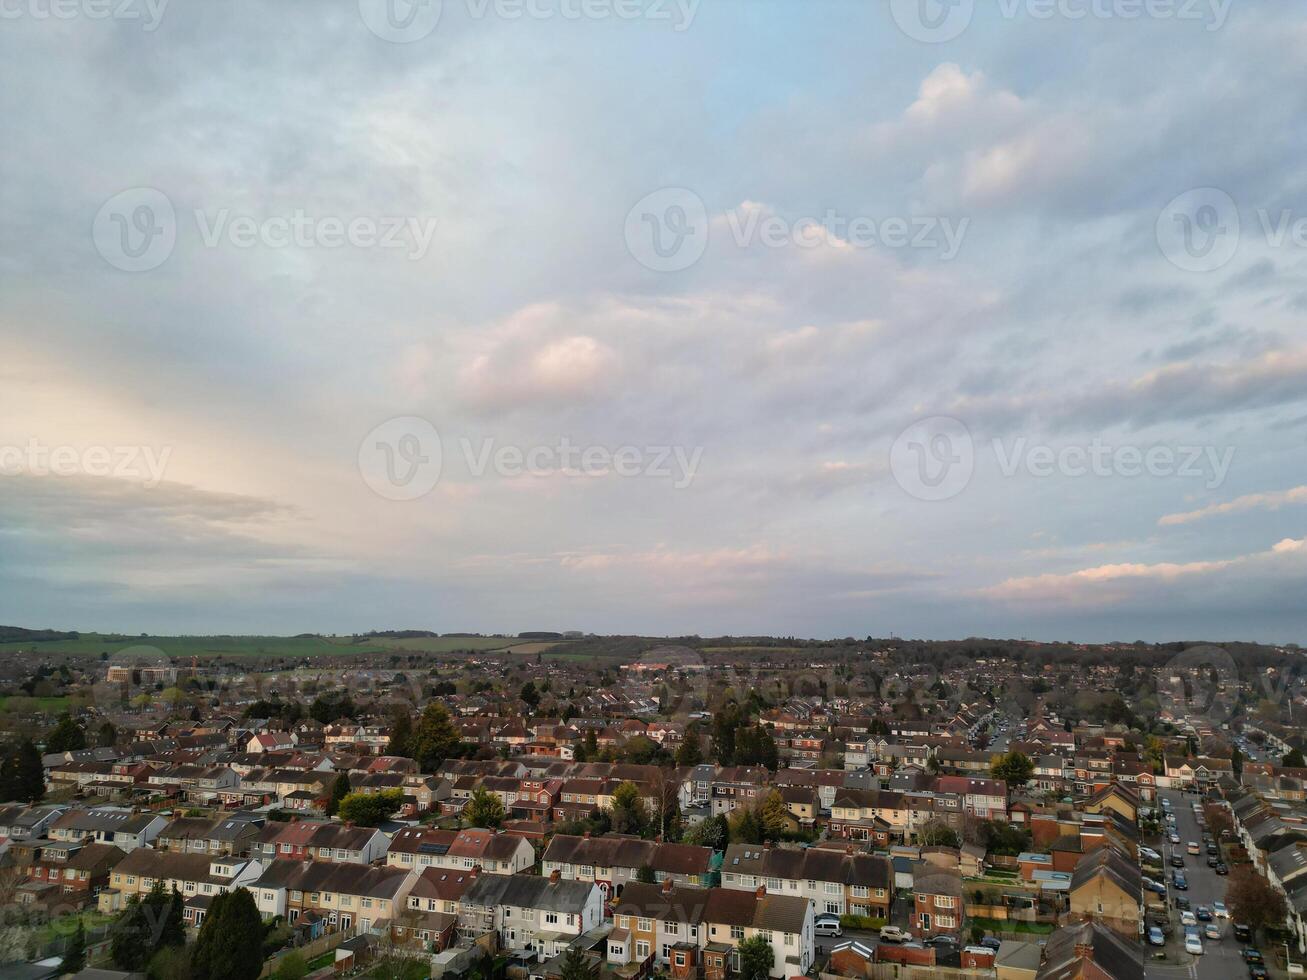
[(827, 924), (938, 941), (1193, 944), (1212, 931), (893, 934), (1204, 914), (1182, 903), (1148, 854), (1156, 937), (1174, 838), (1187, 918), (1252, 955), (1212, 862), (1180, 882), (1220, 911), (1257, 972), (1192, 847), (1177, 860), (1221, 869)]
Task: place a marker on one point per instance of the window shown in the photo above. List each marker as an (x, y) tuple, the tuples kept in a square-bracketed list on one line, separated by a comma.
[(945, 902), (833, 908), (737, 933), (945, 921), (859, 891), (773, 884), (642, 949), (831, 887), (551, 918), (644, 925)]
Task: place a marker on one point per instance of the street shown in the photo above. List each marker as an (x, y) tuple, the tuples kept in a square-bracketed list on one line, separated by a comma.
[(1220, 959)]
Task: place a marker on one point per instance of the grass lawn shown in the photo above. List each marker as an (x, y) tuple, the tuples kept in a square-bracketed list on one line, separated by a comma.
[(51, 706), (65, 924), (326, 959), (1019, 928)]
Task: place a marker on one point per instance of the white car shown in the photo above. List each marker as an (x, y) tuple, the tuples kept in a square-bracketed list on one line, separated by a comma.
[(1193, 944), (1187, 918), (893, 934), (1220, 911), (1175, 838)]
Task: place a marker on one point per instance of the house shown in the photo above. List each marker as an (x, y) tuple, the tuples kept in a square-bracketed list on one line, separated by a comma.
[(426, 847), (319, 840), (838, 880), (731, 916), (197, 877), (661, 925), (529, 912), (937, 906), (1090, 951), (344, 896), (1108, 888), (122, 828), (272, 742), (614, 860), (75, 872), (18, 821), (201, 835)]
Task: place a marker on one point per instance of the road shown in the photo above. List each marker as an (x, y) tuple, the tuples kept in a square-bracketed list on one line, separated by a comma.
[(1220, 959)]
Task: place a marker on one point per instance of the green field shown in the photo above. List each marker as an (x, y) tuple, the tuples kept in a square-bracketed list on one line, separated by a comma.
[(49, 705), (140, 647)]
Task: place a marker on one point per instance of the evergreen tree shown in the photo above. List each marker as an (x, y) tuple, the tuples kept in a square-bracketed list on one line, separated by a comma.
[(401, 732), (436, 739), (66, 736), (484, 809), (756, 958), (690, 753), (230, 944), (339, 790), (106, 735), (74, 960), (576, 965), (628, 813), (22, 777), (774, 816)]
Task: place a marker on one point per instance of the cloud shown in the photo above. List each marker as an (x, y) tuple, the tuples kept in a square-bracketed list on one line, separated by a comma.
[(1272, 500)]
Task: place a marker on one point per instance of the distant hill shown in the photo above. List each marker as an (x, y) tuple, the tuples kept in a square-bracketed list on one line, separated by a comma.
[(17, 634)]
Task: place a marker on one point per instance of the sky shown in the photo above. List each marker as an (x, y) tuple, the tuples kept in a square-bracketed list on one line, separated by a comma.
[(642, 316)]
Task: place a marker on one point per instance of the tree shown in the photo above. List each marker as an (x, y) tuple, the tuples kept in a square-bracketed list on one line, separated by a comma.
[(1254, 901), (106, 735), (1293, 760), (436, 739), (577, 966), (646, 874), (706, 833), (401, 732), (690, 753), (74, 960), (129, 938), (529, 694), (22, 777), (627, 812), (746, 827), (370, 809), (66, 736), (936, 833), (339, 790), (774, 816), (230, 944), (1014, 768), (484, 809), (756, 958), (292, 966)]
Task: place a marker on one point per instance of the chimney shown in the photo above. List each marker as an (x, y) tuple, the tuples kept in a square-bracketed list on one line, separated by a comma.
[(762, 891), (476, 870), (586, 835), (554, 876), (848, 848), (668, 885), (1085, 951)]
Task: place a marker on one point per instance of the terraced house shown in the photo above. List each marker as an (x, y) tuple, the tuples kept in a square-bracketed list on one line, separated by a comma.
[(122, 828), (315, 840), (197, 877), (343, 896), (614, 860), (837, 880), (426, 847), (530, 912)]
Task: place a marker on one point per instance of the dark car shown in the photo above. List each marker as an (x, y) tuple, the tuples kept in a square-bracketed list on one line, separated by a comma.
[(989, 942), (1212, 862), (1182, 904), (941, 941), (1204, 914), (1180, 882), (1242, 932), (1257, 972), (1177, 861), (1251, 955), (1221, 869)]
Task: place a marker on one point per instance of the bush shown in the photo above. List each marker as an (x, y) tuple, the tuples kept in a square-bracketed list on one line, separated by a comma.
[(861, 922)]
